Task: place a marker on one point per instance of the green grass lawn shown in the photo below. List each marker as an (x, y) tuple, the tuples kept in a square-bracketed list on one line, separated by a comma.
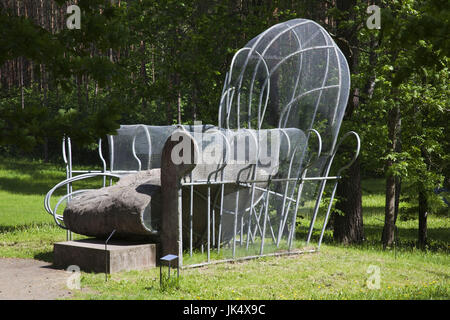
[(337, 272)]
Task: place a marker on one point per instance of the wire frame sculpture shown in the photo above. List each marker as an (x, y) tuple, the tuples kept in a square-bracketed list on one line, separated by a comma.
[(290, 82), (258, 173)]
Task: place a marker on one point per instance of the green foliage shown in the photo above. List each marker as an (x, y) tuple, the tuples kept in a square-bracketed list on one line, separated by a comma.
[(146, 61), (169, 283), (403, 65)]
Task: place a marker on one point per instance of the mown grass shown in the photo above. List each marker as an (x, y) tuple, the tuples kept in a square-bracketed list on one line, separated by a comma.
[(334, 273), (26, 229), (337, 272)]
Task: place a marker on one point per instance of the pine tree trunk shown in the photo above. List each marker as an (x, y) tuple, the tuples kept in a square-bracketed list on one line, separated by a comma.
[(46, 149)]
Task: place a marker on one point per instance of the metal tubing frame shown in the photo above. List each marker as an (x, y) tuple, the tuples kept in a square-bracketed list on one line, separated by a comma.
[(85, 174), (68, 182), (265, 206), (322, 186), (251, 183), (297, 179)]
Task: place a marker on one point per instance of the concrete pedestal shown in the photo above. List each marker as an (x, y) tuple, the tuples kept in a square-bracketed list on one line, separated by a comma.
[(90, 255)]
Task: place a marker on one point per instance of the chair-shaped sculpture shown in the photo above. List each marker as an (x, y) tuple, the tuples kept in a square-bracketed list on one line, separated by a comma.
[(235, 189)]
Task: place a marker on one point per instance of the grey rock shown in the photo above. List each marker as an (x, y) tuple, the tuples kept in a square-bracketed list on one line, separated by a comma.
[(125, 207)]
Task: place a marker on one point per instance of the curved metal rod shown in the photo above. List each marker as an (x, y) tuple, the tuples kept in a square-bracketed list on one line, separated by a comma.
[(325, 76), (149, 141), (261, 58), (310, 162), (340, 57), (111, 152), (100, 153), (64, 150), (319, 152), (252, 50), (223, 104), (229, 102), (66, 162), (233, 60), (288, 140), (133, 150), (283, 217), (67, 181), (227, 153), (287, 107), (238, 180), (336, 183), (261, 36), (56, 216), (239, 79), (330, 162), (269, 74), (257, 153), (69, 145), (358, 148), (133, 147), (299, 178)]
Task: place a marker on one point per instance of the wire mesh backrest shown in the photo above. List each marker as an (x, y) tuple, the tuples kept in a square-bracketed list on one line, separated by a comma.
[(293, 75)]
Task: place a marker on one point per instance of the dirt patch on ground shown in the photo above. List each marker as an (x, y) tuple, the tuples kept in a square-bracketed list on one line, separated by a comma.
[(27, 279)]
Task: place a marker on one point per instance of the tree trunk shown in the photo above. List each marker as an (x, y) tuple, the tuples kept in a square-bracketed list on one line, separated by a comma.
[(423, 212), (398, 187), (387, 237), (179, 106), (398, 180), (423, 208), (45, 149), (348, 228), (22, 94)]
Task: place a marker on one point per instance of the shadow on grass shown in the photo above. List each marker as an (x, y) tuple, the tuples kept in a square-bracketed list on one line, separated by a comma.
[(438, 238), (46, 256), (27, 166), (34, 178), (32, 186), (25, 227), (28, 177), (38, 184)]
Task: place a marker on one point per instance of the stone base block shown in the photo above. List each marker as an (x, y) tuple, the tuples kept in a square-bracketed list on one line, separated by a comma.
[(90, 255)]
